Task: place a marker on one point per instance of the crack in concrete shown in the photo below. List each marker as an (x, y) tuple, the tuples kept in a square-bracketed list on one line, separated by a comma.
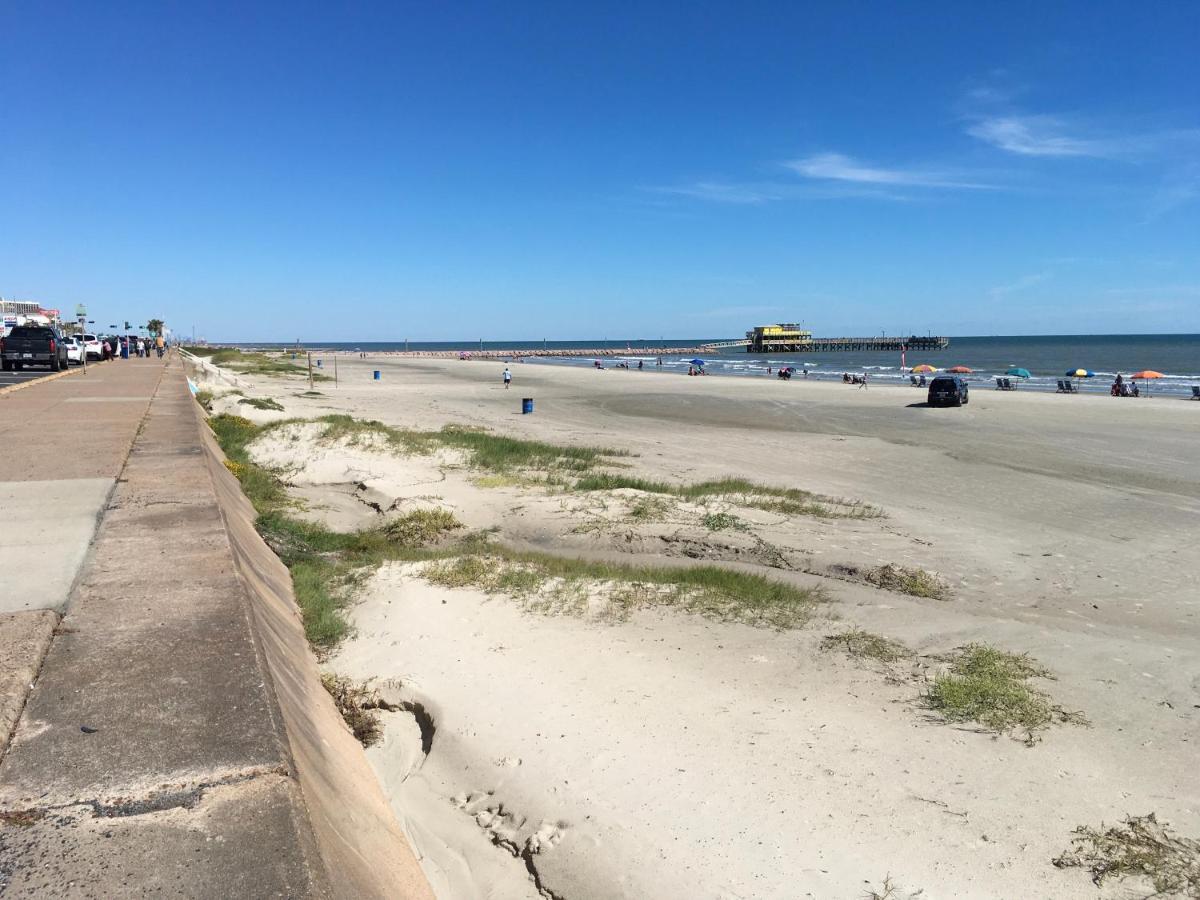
[(152, 802)]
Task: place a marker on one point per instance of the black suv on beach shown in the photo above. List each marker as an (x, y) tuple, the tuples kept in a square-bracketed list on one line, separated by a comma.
[(948, 390)]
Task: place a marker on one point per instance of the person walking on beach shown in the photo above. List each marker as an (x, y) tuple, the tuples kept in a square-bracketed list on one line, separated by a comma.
[(863, 383), (507, 379)]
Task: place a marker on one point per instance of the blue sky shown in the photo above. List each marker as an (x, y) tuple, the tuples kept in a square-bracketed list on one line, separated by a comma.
[(453, 171)]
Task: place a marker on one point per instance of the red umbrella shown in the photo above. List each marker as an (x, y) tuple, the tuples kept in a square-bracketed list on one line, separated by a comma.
[(960, 370)]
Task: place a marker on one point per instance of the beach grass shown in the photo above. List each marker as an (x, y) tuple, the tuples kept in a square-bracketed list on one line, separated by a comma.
[(718, 593), (492, 452), (991, 687), (247, 362), (325, 564), (1141, 847), (722, 521), (262, 403), (788, 501), (205, 399), (650, 509)]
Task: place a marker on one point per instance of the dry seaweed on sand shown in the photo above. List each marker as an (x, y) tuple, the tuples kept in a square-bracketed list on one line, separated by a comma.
[(862, 644), (914, 582), (1140, 847), (357, 704)]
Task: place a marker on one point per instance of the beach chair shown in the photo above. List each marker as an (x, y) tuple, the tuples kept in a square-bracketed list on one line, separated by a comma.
[(1061, 389), (1006, 384), (1196, 391), (1071, 389), (913, 379)]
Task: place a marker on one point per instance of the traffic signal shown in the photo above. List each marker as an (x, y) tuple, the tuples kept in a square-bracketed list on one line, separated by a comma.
[(126, 324)]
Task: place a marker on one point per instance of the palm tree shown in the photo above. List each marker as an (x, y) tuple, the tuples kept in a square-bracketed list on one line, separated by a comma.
[(155, 326)]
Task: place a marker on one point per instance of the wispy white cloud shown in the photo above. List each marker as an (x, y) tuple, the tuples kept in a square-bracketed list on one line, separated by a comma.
[(1034, 136), (722, 192), (838, 167), (1023, 283)]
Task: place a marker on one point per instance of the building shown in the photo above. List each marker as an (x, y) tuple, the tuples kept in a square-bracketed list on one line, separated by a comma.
[(18, 312), (784, 338)]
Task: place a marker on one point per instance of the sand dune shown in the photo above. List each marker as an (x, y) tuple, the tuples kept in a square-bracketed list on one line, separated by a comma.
[(664, 754)]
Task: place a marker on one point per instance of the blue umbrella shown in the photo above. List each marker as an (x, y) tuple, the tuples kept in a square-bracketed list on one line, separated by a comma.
[(1081, 373), (1018, 372), (696, 362)]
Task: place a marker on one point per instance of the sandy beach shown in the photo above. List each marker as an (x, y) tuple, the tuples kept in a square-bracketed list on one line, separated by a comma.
[(560, 750)]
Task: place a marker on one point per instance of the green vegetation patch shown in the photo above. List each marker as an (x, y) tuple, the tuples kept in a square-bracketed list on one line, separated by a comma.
[(864, 645), (324, 564), (420, 527), (327, 564), (248, 362), (991, 687), (718, 593), (205, 399), (723, 521), (262, 403), (492, 452), (1140, 847), (788, 501), (915, 582)]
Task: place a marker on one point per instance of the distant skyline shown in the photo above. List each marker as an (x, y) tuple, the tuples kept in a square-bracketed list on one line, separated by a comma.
[(376, 172)]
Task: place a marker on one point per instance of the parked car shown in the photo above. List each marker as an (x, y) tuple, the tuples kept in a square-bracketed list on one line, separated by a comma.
[(33, 345), (948, 390), (91, 344), (75, 351)]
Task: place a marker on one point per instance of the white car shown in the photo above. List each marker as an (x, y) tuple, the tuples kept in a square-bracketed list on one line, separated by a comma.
[(75, 350), (92, 345)]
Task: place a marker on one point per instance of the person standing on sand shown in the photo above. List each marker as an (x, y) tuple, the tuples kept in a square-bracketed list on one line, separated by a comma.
[(863, 383), (507, 379)]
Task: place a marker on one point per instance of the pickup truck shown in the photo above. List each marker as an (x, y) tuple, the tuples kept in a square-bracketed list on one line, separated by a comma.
[(33, 345)]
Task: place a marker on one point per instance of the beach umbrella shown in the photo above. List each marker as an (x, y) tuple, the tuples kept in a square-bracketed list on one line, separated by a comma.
[(1146, 375), (924, 369), (1080, 373), (960, 370), (696, 362), (1018, 372)]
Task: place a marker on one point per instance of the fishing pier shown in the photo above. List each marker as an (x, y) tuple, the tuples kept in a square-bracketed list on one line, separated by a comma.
[(793, 339)]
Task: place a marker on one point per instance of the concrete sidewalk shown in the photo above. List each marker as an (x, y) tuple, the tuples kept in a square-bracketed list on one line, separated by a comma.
[(65, 441), (150, 756), (158, 750)]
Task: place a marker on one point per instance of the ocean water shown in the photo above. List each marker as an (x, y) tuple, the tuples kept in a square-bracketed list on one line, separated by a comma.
[(1047, 357)]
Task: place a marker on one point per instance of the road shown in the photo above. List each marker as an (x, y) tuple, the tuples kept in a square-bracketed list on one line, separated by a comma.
[(21, 377)]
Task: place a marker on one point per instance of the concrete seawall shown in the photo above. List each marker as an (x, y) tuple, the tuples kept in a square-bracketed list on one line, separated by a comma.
[(177, 740), (358, 837)]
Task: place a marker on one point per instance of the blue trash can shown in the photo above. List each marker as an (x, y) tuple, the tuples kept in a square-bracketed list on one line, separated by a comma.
[(526, 406), (376, 373)]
